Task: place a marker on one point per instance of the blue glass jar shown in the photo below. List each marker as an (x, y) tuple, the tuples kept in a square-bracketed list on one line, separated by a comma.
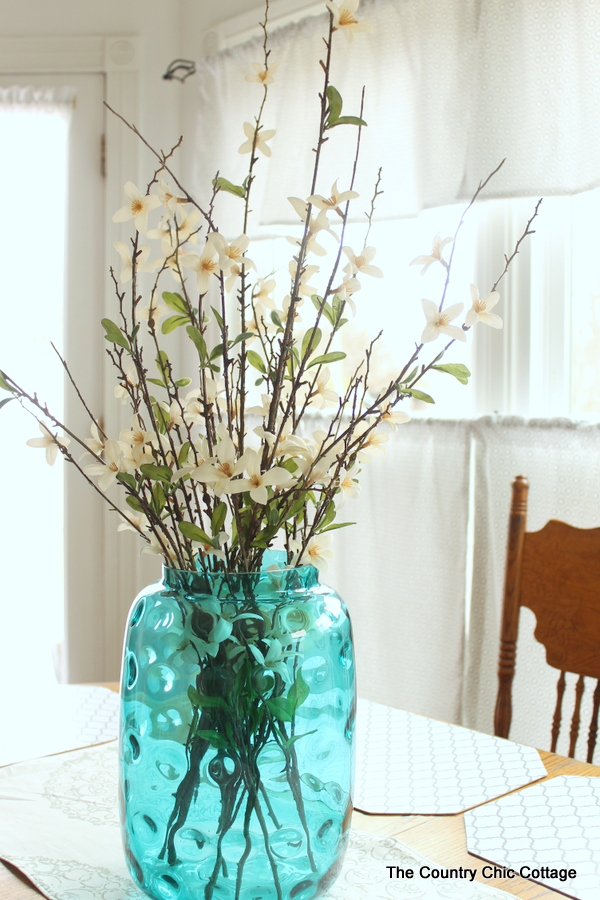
[(236, 756)]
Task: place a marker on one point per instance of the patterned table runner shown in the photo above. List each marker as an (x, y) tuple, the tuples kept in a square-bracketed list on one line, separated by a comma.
[(66, 717), (407, 763), (59, 825), (552, 830)]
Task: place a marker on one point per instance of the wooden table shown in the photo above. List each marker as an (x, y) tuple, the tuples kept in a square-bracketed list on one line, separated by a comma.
[(441, 838)]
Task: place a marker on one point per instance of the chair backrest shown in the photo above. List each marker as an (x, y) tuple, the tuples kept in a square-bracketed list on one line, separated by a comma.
[(556, 573)]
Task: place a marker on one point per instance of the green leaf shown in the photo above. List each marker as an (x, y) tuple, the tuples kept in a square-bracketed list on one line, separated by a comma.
[(216, 352), (410, 377), (114, 334), (280, 708), (5, 401), (275, 318), (459, 371), (255, 360), (241, 337), (218, 317), (193, 533), (157, 381), (176, 302), (129, 480), (134, 503), (4, 384), (162, 364), (297, 737), (313, 338), (174, 322), (298, 692), (156, 473), (318, 302), (218, 518), (334, 526), (183, 382), (419, 395), (201, 700), (347, 120), (335, 103), (222, 184), (182, 457), (213, 737), (158, 498), (197, 339), (334, 356)]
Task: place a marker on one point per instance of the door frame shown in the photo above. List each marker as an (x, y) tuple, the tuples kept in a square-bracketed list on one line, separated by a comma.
[(100, 581)]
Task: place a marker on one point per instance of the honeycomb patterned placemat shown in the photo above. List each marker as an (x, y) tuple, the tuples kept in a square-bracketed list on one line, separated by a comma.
[(410, 764), (59, 825), (66, 717), (549, 832)]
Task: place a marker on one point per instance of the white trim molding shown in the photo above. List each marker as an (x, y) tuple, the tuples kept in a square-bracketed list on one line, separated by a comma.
[(117, 58)]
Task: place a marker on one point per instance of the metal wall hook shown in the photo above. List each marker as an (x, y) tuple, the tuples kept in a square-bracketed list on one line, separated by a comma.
[(180, 69)]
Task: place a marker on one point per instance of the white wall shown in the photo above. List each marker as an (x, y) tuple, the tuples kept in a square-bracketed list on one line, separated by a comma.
[(168, 29)]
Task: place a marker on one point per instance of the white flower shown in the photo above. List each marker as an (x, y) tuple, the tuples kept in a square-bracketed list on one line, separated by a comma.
[(221, 470), (435, 255), (153, 312), (480, 310), (141, 264), (262, 291), (95, 443), (214, 549), (361, 263), (131, 376), (50, 443), (167, 195), (439, 322), (334, 201), (393, 418), (372, 444), (114, 462), (304, 289), (344, 20), (347, 484), (321, 394), (136, 522), (262, 137), (263, 74), (317, 552), (205, 266), (137, 208), (138, 439), (233, 253), (257, 481), (315, 224), (349, 286)]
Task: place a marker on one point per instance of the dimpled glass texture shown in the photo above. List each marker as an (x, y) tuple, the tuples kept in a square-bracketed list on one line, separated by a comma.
[(236, 742)]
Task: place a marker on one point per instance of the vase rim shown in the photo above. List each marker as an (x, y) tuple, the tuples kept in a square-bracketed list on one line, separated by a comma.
[(274, 579)]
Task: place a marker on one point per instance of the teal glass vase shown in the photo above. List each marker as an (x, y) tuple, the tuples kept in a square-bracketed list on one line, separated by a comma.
[(236, 742)]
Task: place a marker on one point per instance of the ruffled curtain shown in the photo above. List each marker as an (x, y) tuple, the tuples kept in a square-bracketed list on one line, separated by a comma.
[(51, 100), (452, 88)]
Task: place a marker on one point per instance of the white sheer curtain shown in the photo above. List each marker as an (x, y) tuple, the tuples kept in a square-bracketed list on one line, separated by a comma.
[(452, 87), (33, 158), (401, 569)]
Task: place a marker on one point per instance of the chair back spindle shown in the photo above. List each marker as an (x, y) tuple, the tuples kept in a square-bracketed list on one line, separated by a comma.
[(555, 572)]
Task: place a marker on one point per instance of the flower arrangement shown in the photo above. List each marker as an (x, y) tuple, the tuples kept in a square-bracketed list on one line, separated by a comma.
[(211, 480), (202, 490)]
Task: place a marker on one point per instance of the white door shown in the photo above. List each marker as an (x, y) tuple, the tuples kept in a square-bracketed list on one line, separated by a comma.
[(52, 257)]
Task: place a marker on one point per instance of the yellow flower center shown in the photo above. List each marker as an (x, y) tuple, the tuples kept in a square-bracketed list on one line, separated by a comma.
[(346, 18), (226, 469), (208, 265), (137, 207), (255, 481)]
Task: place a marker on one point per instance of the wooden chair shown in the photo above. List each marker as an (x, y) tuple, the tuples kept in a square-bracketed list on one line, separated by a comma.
[(555, 572)]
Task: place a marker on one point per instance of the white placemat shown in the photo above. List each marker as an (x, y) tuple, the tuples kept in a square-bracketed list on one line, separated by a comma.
[(59, 825), (546, 827), (65, 717), (407, 763)]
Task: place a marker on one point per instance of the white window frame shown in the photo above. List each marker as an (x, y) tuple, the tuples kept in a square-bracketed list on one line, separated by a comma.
[(103, 572)]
